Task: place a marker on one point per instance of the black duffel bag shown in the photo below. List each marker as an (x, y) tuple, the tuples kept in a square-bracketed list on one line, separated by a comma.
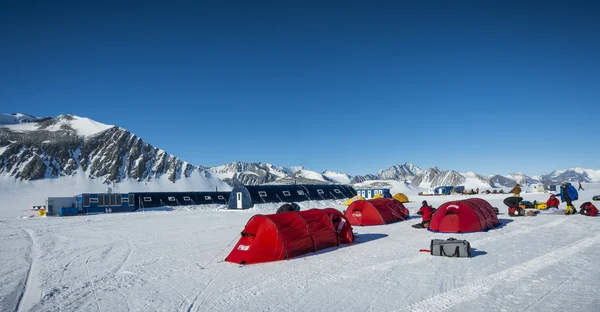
[(450, 248)]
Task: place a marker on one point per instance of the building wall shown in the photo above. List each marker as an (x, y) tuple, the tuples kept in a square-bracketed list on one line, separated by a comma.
[(101, 203), (370, 193), (55, 203)]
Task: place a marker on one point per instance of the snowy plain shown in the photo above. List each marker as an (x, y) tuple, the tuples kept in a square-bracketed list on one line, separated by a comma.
[(172, 260)]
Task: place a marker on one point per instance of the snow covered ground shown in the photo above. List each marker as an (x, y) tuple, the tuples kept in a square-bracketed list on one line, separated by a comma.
[(172, 260)]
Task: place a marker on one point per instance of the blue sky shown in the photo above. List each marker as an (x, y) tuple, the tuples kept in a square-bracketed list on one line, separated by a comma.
[(347, 86)]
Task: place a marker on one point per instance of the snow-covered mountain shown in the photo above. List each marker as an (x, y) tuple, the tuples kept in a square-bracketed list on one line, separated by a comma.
[(362, 178), (402, 172), (17, 118), (62, 146), (34, 148), (502, 181), (572, 175), (426, 178), (242, 173), (337, 177), (406, 171)]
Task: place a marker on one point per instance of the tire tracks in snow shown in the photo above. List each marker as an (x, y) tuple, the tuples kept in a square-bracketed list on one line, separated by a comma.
[(92, 283), (27, 287), (28, 278), (510, 276), (146, 277), (100, 256)]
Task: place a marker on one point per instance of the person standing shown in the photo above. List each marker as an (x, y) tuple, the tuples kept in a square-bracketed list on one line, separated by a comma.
[(580, 187), (566, 197), (516, 190)]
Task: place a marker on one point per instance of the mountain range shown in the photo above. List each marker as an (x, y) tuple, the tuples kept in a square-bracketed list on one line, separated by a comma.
[(34, 148)]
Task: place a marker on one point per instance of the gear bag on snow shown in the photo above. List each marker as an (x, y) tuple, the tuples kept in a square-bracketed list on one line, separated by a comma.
[(450, 248), (588, 209)]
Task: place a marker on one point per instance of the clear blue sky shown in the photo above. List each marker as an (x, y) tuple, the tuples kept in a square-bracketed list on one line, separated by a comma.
[(347, 86)]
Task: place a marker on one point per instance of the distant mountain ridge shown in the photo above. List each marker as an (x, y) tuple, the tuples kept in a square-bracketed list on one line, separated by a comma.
[(33, 148)]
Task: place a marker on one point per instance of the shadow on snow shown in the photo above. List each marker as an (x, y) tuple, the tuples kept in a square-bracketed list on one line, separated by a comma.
[(359, 239)]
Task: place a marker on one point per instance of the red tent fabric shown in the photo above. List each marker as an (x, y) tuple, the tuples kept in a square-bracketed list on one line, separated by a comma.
[(376, 211), (341, 225), (284, 236), (463, 216)]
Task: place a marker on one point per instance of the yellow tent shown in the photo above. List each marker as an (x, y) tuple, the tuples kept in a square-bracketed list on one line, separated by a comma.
[(378, 196), (353, 199), (401, 198)]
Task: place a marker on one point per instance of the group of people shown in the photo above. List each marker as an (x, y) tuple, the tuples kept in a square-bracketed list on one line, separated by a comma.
[(567, 194)]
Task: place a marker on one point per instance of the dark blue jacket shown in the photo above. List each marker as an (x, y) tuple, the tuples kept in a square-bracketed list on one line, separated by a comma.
[(572, 192)]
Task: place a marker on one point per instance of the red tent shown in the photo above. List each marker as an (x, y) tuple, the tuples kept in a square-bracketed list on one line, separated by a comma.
[(341, 225), (284, 236), (463, 216), (376, 211)]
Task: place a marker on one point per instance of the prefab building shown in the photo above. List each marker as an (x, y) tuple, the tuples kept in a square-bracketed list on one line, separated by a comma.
[(162, 199), (54, 204), (370, 193), (105, 202), (244, 197)]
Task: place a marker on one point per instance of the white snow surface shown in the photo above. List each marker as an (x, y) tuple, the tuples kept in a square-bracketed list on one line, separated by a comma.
[(83, 126), (337, 177), (313, 175), (171, 260), (474, 183), (11, 119)]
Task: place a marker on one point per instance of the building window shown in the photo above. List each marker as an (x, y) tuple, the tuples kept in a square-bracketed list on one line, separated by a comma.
[(171, 198), (118, 201), (186, 198), (337, 191), (320, 191), (221, 197), (207, 198), (301, 192), (147, 199), (286, 193), (100, 200), (262, 193)]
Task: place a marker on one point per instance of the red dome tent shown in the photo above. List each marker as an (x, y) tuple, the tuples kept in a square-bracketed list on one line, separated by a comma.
[(341, 225), (463, 216), (286, 235), (376, 211)]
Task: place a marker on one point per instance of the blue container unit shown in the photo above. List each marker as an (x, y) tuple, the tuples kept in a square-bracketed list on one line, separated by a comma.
[(370, 193), (68, 211), (105, 203)]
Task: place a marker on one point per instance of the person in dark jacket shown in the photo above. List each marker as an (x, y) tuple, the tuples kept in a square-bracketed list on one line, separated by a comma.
[(291, 207), (426, 213), (566, 197), (580, 187)]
